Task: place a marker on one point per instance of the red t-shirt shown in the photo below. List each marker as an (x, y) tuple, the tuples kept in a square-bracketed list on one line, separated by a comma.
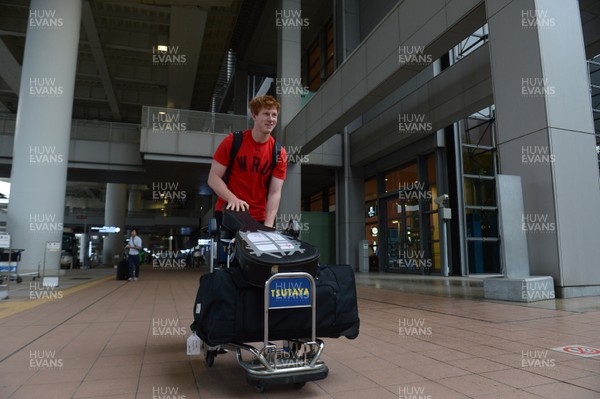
[(250, 171)]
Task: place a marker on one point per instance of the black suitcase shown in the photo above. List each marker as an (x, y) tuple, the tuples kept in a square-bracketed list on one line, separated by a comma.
[(228, 309), (123, 269), (261, 251)]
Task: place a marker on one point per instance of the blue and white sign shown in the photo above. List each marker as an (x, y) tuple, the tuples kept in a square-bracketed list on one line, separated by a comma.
[(107, 229), (290, 292), (5, 241)]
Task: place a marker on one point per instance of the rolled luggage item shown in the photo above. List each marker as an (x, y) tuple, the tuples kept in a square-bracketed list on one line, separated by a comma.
[(261, 251), (228, 309), (123, 269)]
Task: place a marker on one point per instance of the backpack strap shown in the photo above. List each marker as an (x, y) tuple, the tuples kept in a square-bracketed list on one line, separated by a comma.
[(238, 136)]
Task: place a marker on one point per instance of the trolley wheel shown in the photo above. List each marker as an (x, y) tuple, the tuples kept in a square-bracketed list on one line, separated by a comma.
[(209, 360), (299, 385), (19, 279), (260, 388)]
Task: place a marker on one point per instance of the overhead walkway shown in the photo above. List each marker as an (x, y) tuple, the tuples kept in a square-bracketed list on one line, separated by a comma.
[(165, 134)]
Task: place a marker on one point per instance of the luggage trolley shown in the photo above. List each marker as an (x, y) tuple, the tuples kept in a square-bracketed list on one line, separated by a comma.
[(299, 360), (9, 265)]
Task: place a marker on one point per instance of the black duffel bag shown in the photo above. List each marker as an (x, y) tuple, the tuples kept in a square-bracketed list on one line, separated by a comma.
[(228, 309)]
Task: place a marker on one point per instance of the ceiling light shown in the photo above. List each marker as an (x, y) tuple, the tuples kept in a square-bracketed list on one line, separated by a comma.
[(162, 47)]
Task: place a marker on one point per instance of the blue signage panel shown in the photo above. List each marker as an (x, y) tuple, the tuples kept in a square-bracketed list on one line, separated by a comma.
[(290, 292)]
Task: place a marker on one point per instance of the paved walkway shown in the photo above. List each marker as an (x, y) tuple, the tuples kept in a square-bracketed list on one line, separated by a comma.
[(103, 338)]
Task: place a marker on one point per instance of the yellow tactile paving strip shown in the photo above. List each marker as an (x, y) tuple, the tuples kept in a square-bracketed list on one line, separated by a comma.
[(9, 308)]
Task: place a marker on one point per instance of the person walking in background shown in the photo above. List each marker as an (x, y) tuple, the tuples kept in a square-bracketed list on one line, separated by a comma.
[(134, 246)]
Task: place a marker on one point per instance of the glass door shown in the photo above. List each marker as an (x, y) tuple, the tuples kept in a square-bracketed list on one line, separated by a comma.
[(412, 234)]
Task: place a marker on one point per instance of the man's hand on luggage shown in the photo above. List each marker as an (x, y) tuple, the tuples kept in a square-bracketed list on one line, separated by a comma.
[(237, 205)]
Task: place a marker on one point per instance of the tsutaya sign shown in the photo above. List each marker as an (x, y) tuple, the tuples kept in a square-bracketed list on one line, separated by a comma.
[(291, 292), (107, 229)]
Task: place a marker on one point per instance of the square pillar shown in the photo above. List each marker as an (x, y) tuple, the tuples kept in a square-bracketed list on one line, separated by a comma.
[(546, 135)]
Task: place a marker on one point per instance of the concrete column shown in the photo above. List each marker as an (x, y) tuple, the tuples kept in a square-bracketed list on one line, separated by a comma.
[(350, 206), (288, 71), (43, 126), (114, 215), (350, 196), (546, 135), (135, 200), (83, 250)]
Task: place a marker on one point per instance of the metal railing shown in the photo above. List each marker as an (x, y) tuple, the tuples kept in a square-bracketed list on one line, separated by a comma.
[(160, 119), (86, 130)]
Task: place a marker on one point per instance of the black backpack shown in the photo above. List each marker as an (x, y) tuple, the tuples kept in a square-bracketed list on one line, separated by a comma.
[(237, 143)]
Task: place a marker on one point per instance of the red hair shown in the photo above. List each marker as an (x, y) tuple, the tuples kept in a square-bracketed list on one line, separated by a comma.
[(260, 102)]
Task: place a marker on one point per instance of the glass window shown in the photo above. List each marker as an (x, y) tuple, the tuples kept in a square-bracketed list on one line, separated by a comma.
[(314, 66), (470, 44), (316, 202), (330, 49), (321, 57), (332, 199), (482, 223), (478, 161), (371, 189), (484, 257), (372, 232), (477, 131), (406, 176), (480, 192)]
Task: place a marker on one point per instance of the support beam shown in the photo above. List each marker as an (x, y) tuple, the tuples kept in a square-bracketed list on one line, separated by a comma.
[(185, 40), (87, 18), (10, 70)]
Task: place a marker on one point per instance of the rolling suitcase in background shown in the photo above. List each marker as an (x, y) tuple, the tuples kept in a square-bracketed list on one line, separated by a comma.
[(123, 269)]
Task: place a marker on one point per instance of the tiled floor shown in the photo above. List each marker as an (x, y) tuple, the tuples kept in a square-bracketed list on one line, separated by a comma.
[(421, 338)]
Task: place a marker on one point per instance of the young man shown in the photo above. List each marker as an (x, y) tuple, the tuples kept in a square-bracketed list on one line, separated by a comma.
[(134, 246), (253, 167)]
